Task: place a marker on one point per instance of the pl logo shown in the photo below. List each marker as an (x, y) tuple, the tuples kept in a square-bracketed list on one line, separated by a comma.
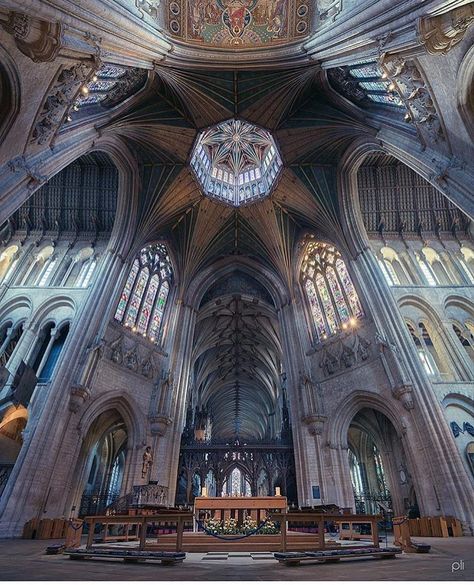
[(457, 566)]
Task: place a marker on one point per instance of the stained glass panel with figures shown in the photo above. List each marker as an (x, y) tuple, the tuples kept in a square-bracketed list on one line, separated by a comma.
[(149, 278), (332, 297)]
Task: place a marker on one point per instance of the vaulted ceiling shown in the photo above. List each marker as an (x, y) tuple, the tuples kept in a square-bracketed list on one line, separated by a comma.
[(311, 131)]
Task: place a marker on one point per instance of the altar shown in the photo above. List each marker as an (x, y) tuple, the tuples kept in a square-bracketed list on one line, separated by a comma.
[(238, 507)]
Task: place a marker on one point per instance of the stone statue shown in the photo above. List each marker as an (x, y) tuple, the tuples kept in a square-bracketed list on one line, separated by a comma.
[(147, 462)]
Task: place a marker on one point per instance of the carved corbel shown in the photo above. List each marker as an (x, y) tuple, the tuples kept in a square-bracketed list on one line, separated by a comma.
[(439, 34), (159, 424), (315, 423), (37, 39), (78, 396), (404, 393)]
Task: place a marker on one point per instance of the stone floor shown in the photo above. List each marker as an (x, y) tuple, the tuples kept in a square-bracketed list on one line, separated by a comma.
[(25, 560)]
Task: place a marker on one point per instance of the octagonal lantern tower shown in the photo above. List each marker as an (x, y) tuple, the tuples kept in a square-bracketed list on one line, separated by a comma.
[(236, 162)]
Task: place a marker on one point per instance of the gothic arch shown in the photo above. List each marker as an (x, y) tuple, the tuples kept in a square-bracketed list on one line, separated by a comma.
[(347, 187), (422, 306), (465, 90), (459, 301), (126, 406), (356, 401), (267, 278), (128, 184), (466, 403), (10, 92), (102, 421)]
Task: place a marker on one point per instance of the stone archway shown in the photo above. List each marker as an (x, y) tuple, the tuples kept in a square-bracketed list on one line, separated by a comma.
[(102, 464), (381, 481)]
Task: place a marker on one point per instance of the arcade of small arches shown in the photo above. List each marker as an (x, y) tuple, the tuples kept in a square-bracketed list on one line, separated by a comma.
[(218, 282)]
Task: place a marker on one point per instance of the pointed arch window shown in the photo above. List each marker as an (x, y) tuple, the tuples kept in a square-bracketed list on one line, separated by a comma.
[(332, 297), (143, 299), (427, 272), (389, 272)]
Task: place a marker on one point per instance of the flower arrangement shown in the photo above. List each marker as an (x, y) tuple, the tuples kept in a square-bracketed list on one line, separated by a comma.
[(270, 527), (248, 526), (230, 526), (213, 526)]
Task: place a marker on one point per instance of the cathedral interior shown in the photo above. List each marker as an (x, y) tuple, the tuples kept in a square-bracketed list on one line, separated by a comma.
[(236, 254)]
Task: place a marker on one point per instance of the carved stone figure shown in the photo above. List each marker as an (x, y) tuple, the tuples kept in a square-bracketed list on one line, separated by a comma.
[(130, 360), (348, 357), (147, 462), (117, 353)]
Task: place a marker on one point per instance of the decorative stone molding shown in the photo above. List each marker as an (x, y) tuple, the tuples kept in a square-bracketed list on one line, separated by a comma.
[(78, 396), (37, 39), (149, 7), (60, 97), (407, 80), (441, 33), (344, 353), (19, 164), (159, 424), (345, 83), (404, 394), (315, 423), (328, 9), (128, 85), (131, 358)]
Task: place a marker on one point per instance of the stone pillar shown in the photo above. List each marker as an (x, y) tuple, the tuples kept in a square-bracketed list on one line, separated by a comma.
[(174, 404), (307, 464)]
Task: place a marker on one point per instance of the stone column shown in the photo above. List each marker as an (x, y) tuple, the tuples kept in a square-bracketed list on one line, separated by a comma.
[(175, 402)]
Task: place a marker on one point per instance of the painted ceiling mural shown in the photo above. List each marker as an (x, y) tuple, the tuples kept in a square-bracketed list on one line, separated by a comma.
[(239, 23)]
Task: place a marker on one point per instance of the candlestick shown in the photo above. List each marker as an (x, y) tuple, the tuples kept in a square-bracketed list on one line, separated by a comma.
[(204, 491), (277, 491)]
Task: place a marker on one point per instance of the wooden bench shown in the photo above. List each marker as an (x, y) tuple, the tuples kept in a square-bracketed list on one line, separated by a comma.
[(332, 556), (128, 556)]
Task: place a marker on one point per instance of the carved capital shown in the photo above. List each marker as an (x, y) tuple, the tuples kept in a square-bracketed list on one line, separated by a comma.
[(159, 424), (79, 394), (441, 33), (37, 39), (315, 423)]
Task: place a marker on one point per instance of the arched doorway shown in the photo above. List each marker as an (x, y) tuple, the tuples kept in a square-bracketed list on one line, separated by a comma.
[(381, 482), (12, 426), (103, 463)]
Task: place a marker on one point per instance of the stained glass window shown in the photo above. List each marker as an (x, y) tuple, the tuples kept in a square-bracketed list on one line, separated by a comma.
[(143, 299), (350, 291), (376, 87), (331, 294), (315, 307), (126, 291), (134, 306)]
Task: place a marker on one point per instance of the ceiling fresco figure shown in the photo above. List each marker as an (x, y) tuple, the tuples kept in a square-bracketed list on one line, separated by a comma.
[(238, 22)]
